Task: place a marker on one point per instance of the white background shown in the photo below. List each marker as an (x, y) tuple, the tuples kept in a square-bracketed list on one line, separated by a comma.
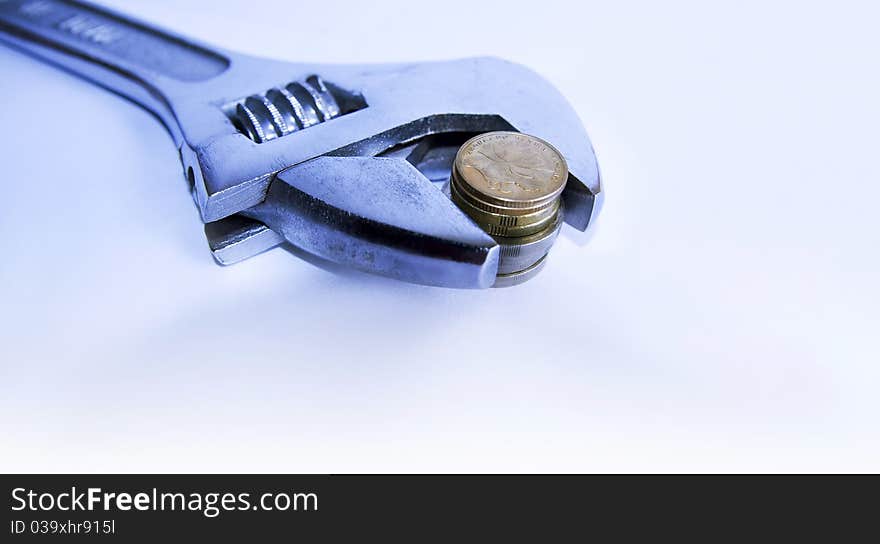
[(723, 316)]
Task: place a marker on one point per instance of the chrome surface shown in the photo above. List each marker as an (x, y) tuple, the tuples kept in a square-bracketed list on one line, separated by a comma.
[(218, 104)]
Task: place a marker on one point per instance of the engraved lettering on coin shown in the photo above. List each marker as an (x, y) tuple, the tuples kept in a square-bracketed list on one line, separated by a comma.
[(513, 165), (503, 168)]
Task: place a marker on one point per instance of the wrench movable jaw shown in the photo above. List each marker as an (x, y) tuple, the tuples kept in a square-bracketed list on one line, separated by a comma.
[(237, 238), (379, 215)]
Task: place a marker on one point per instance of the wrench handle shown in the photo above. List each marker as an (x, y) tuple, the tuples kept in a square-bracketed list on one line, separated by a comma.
[(132, 58)]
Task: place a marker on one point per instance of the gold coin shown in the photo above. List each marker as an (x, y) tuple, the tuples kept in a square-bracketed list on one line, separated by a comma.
[(497, 224), (476, 200), (511, 169), (519, 253)]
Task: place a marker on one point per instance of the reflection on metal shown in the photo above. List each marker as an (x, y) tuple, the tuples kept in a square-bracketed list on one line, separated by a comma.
[(274, 164)]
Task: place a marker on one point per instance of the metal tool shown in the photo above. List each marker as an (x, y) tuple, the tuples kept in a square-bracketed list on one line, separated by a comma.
[(342, 161)]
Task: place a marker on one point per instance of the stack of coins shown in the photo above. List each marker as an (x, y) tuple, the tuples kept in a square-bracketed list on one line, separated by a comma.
[(511, 184)]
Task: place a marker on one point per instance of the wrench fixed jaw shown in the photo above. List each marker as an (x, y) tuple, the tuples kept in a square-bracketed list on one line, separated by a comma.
[(402, 104), (230, 172)]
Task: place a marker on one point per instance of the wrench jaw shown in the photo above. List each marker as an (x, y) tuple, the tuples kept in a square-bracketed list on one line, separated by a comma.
[(534, 106), (237, 238), (399, 104), (518, 99), (379, 215), (334, 196)]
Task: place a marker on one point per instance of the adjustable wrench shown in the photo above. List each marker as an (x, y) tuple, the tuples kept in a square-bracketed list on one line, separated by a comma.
[(341, 161)]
